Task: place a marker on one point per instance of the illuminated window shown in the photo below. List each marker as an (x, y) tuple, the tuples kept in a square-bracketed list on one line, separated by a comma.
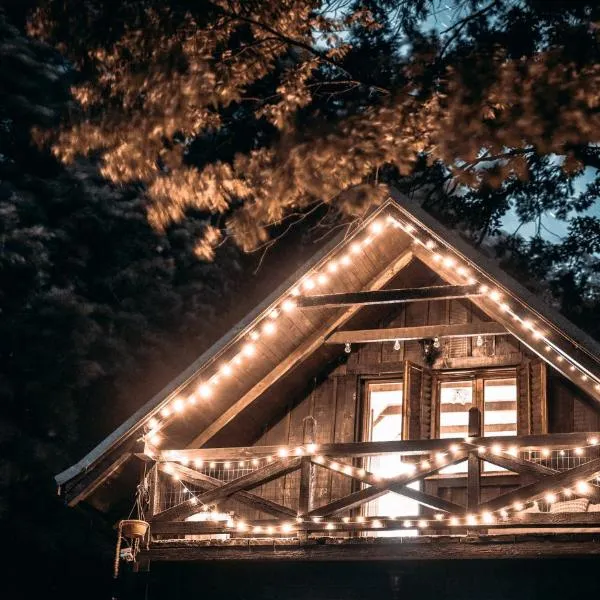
[(385, 423), (496, 397)]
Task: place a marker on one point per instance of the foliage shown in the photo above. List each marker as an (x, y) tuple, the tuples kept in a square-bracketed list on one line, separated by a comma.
[(332, 92), (97, 310)]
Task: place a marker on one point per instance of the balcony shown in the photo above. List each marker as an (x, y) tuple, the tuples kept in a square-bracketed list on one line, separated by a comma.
[(318, 501)]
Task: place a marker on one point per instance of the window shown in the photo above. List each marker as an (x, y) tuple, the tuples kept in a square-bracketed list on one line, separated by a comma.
[(494, 394), (385, 419)]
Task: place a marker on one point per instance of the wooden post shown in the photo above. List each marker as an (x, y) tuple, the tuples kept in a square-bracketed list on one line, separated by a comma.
[(153, 491), (474, 463), (307, 469)]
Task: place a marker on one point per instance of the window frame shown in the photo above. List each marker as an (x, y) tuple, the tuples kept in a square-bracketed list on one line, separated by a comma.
[(366, 402), (478, 377)]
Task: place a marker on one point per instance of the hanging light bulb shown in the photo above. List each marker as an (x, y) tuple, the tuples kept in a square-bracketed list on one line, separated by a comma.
[(479, 341), (347, 348), (436, 342), (397, 345)]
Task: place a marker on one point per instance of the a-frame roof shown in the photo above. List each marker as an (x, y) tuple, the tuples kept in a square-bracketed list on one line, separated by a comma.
[(276, 336)]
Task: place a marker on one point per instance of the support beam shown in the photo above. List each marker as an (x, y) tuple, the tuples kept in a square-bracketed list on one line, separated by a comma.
[(362, 549), (207, 483), (552, 482), (304, 351), (246, 482), (563, 441), (365, 298), (428, 500), (375, 491), (402, 334)]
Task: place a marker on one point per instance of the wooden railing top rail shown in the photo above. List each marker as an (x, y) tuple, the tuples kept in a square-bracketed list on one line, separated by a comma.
[(275, 528), (404, 447)]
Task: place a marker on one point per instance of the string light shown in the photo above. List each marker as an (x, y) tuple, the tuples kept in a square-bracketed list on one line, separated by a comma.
[(269, 328)]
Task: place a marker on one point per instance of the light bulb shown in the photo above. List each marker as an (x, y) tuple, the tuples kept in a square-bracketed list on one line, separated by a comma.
[(322, 279), (309, 284), (479, 341), (152, 423), (355, 248), (550, 498), (397, 345), (347, 348), (226, 370), (332, 267), (165, 412), (249, 349), (155, 439), (205, 391), (436, 342), (376, 227), (269, 328)]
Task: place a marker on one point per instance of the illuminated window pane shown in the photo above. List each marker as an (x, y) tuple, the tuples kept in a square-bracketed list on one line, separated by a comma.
[(456, 398), (385, 424), (500, 410)]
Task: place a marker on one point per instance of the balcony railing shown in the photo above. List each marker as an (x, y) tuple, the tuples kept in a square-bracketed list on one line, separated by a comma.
[(189, 488)]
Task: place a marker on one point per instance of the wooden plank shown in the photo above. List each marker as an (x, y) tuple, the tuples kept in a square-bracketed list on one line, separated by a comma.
[(412, 549), (391, 334), (403, 295), (257, 502), (533, 490), (427, 500), (246, 482), (407, 447), (375, 491), (473, 481), (302, 352), (86, 485), (533, 520), (519, 465), (251, 480)]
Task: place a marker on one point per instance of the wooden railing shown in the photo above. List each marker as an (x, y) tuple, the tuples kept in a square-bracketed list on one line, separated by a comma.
[(422, 460)]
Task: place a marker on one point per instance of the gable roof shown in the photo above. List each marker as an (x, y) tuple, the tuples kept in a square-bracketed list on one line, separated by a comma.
[(266, 345)]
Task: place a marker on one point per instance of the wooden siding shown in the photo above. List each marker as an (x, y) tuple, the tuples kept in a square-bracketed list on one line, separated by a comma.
[(546, 401)]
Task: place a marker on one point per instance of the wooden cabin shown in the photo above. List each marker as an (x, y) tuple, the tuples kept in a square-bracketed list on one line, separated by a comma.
[(399, 398)]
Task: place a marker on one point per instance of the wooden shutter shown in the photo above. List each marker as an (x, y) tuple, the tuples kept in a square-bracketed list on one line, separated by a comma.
[(532, 411), (417, 399)]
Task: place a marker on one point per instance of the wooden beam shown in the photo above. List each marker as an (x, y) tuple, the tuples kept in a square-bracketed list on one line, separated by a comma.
[(189, 507), (533, 520), (363, 549), (362, 336), (302, 352), (375, 491), (207, 483), (365, 298), (84, 486), (427, 500), (550, 483), (407, 447), (274, 470)]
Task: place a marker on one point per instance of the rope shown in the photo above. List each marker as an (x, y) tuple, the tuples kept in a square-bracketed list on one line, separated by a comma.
[(118, 551)]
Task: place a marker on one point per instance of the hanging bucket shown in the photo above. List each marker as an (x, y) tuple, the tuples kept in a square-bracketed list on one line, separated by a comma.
[(134, 528)]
